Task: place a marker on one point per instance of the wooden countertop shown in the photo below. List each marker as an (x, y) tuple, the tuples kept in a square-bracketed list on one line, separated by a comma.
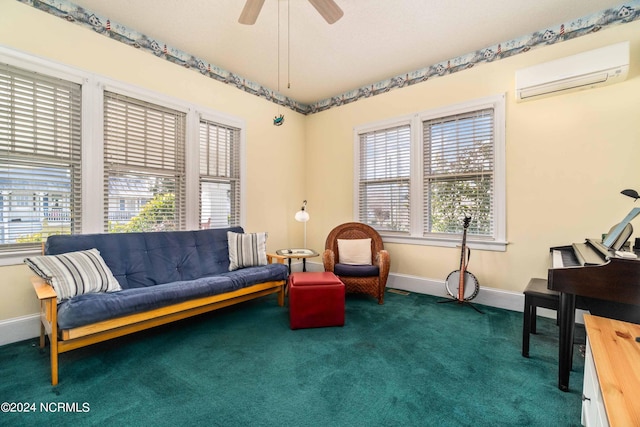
[(616, 354)]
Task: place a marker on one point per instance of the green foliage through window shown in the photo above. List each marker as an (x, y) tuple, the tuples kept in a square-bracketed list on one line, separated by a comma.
[(158, 214)]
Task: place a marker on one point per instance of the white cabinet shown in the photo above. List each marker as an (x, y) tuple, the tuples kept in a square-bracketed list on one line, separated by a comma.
[(593, 411)]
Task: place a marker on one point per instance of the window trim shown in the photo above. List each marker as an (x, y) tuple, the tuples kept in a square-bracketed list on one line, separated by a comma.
[(93, 87), (415, 237)]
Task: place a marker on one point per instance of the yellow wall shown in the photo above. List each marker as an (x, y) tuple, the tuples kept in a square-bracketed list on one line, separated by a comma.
[(567, 159), (568, 156), (273, 153)]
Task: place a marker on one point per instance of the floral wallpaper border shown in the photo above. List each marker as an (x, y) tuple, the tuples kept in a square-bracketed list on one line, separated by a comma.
[(627, 12)]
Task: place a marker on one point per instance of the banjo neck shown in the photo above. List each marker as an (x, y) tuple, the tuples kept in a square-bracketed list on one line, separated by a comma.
[(463, 263)]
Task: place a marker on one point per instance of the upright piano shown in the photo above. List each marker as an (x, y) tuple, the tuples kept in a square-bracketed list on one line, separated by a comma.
[(606, 282)]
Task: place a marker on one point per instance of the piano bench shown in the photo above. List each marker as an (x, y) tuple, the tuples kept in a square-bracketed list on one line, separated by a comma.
[(536, 294)]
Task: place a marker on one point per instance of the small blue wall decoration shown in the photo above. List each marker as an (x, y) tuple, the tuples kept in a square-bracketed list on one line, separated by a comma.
[(278, 120)]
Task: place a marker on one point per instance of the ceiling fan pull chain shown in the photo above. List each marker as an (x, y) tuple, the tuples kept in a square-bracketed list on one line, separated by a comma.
[(288, 45), (279, 119)]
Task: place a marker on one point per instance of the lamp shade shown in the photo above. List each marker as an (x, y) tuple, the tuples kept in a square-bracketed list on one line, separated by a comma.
[(302, 216)]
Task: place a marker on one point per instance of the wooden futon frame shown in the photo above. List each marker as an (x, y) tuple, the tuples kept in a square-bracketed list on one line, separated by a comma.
[(65, 340)]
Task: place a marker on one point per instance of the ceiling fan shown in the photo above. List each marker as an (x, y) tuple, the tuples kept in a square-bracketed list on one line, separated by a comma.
[(329, 10)]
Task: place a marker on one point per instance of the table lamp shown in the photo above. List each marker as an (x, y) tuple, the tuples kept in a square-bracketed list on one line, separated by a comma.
[(303, 216)]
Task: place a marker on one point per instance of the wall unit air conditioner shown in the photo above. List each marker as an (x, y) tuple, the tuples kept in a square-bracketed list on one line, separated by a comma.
[(594, 68)]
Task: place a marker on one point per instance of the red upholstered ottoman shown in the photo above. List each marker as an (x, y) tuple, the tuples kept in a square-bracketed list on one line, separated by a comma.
[(316, 299)]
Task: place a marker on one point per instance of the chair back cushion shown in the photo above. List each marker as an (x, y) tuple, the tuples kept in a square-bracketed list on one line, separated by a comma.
[(354, 230), (355, 251)]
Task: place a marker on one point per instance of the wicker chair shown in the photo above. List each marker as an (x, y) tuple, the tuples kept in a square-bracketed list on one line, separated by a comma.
[(367, 279)]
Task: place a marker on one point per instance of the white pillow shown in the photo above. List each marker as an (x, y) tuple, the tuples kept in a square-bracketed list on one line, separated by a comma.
[(75, 273), (246, 249), (354, 251)]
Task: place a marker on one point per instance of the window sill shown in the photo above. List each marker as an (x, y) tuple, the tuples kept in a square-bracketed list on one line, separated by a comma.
[(483, 245), (17, 258)]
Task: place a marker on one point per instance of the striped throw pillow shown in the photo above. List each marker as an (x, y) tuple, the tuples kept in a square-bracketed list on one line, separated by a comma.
[(247, 249), (75, 273)]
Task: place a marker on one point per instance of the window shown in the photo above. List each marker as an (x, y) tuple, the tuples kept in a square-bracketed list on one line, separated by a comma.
[(80, 153), (40, 169), (144, 149), (385, 178), (219, 175), (417, 177), (458, 173)]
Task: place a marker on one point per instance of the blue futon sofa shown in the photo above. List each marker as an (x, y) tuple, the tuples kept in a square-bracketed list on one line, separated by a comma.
[(163, 276)]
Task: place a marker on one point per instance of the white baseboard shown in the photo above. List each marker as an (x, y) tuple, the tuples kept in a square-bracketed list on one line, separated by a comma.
[(19, 328), (507, 300), (493, 297)]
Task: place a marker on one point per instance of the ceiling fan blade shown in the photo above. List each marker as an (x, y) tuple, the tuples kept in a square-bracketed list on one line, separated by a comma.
[(329, 10), (250, 12)]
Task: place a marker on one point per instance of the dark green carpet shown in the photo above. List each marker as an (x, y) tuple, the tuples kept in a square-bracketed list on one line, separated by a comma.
[(409, 362)]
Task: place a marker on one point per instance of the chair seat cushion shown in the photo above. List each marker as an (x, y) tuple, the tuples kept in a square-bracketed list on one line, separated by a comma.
[(356, 270)]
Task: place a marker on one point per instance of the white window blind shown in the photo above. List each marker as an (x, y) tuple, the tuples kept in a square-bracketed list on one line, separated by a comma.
[(144, 151), (458, 173), (384, 181), (40, 150), (219, 175)]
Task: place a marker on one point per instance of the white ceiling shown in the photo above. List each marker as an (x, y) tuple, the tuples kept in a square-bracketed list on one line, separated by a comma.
[(374, 40)]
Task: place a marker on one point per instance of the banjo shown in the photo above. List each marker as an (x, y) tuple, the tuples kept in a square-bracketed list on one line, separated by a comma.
[(461, 284)]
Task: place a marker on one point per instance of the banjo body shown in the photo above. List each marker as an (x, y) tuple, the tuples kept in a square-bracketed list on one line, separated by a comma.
[(471, 286)]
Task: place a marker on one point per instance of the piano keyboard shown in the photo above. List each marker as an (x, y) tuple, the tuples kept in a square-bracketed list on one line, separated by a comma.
[(564, 259)]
